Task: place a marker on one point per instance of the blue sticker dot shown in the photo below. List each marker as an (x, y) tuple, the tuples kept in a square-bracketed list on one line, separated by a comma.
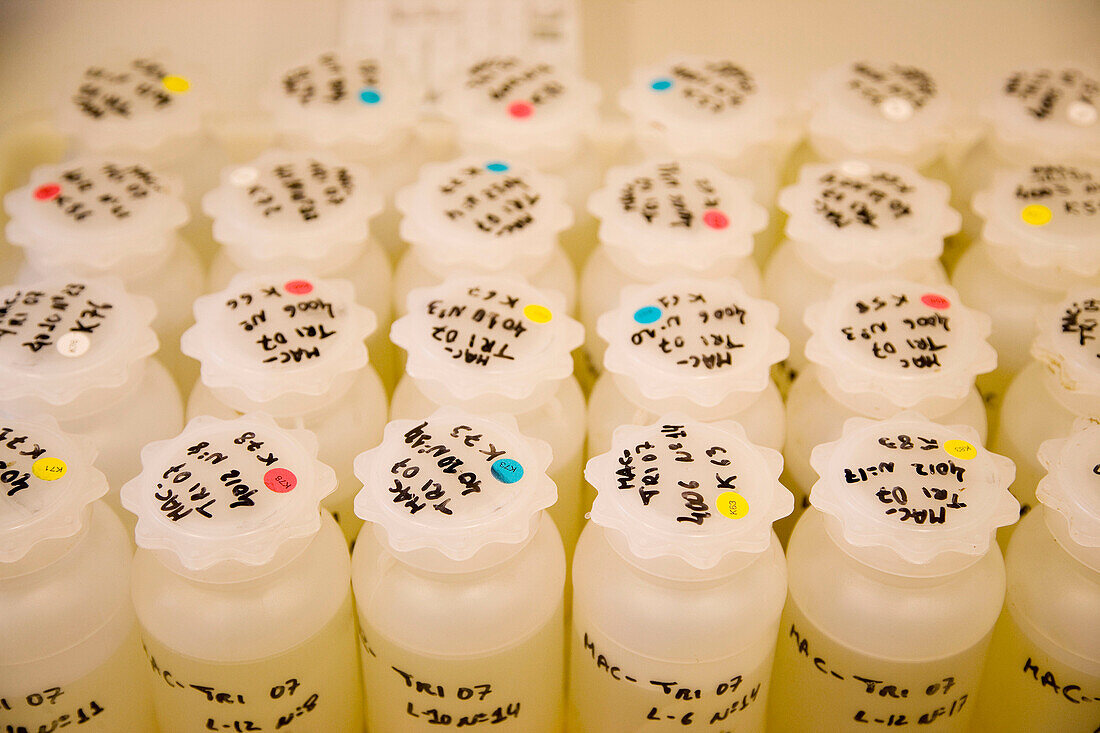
[(496, 166), (660, 85), (369, 96), (507, 471), (648, 314)]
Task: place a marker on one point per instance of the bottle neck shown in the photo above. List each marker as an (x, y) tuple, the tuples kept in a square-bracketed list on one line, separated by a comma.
[(440, 393), (1077, 402), (878, 405), (676, 572), (231, 571), (87, 403), (339, 257), (290, 404), (430, 562), (527, 267), (1058, 526), (47, 552), (726, 407)]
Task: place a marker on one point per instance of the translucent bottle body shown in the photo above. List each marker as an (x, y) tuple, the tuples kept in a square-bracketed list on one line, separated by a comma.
[(560, 421), (858, 646), (665, 653), (483, 645), (277, 641), (73, 654), (1043, 669), (344, 427)]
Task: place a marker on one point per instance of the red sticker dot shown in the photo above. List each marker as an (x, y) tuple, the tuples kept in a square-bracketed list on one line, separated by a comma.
[(935, 301), (280, 480), (716, 219), (47, 192), (520, 110), (298, 287)]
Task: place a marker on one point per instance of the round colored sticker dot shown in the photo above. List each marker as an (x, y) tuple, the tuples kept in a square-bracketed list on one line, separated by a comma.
[(47, 192), (73, 344), (49, 468), (960, 449), (368, 95), (521, 110), (935, 301), (661, 85), (1082, 113), (1036, 215), (647, 314), (244, 176), (280, 480), (298, 287), (506, 471), (175, 84), (537, 313), (731, 504), (496, 166), (716, 219), (896, 109)]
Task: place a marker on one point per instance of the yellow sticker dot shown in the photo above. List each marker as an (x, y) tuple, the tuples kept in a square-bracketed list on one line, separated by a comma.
[(1036, 215), (49, 469), (175, 84), (537, 313), (960, 449), (731, 504)]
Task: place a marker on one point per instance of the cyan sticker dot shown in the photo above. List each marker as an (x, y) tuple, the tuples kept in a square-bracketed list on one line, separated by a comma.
[(660, 85), (369, 96), (648, 314), (497, 167), (507, 471)]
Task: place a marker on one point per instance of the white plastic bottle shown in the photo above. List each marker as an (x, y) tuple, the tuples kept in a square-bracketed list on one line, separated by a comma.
[(1043, 669), (308, 211), (240, 583), (1040, 240), (878, 348), (81, 351), (99, 215), (495, 344), (666, 218), (69, 648), (696, 346), (1060, 385), (535, 112), (678, 581), (458, 577), (293, 347), (895, 580), (715, 110), (855, 219)]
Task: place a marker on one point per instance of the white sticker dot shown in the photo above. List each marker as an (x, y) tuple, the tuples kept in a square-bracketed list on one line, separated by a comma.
[(896, 109), (73, 344), (244, 176), (855, 168), (1081, 113)]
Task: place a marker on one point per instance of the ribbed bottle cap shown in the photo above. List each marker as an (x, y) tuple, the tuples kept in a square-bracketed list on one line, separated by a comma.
[(228, 490), (1067, 341), (61, 337), (47, 481), (1072, 484), (454, 483), (687, 489), (914, 486)]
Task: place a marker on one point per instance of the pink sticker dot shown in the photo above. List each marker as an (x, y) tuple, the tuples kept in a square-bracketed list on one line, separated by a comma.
[(716, 219), (298, 287), (47, 192), (280, 480), (520, 110), (935, 301)]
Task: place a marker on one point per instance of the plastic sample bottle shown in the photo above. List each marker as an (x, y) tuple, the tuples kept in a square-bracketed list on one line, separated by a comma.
[(530, 110), (483, 215), (240, 584), (667, 218), (698, 346), (494, 344), (458, 577), (304, 211), (1060, 385), (895, 580), (854, 220), (81, 351), (678, 581), (878, 348), (69, 651), (292, 347), (1043, 669), (715, 110), (1041, 239), (99, 215)]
